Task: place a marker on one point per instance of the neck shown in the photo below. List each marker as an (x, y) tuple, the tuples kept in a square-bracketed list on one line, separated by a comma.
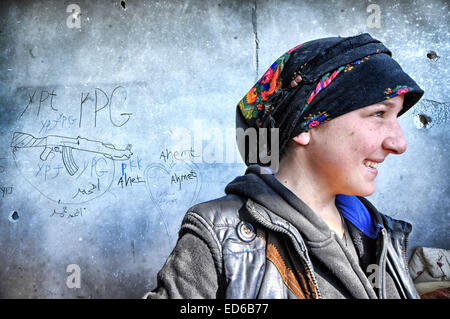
[(303, 181)]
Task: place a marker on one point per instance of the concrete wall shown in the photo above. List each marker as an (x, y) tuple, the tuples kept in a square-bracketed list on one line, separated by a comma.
[(148, 74)]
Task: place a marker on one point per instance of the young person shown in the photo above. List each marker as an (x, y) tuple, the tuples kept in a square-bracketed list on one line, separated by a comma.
[(305, 230)]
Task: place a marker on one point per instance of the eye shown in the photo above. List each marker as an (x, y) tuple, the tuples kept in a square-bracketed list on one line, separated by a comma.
[(378, 114)]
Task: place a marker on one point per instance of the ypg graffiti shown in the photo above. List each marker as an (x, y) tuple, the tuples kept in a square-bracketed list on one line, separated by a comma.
[(64, 157)]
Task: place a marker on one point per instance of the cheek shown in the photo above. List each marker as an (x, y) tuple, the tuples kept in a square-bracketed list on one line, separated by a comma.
[(364, 142), (337, 158)]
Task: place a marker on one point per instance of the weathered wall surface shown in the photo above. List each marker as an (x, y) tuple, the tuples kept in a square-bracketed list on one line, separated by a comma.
[(120, 97)]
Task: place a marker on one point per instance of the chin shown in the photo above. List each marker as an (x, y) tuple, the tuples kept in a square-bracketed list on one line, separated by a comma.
[(366, 192), (361, 191)]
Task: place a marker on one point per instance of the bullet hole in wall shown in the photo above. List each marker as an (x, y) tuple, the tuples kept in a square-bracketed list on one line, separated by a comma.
[(14, 216), (422, 120), (31, 53), (432, 55), (425, 120)]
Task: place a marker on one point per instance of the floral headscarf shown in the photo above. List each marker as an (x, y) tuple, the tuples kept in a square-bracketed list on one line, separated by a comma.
[(336, 75)]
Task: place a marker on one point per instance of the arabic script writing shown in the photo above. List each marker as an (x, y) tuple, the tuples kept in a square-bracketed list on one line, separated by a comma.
[(65, 213)]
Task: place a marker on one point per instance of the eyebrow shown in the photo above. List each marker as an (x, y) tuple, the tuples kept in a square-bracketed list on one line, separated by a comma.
[(388, 103)]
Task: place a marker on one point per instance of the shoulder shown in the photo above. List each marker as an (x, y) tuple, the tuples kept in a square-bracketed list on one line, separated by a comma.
[(223, 225), (218, 213), (224, 219), (396, 225), (220, 222)]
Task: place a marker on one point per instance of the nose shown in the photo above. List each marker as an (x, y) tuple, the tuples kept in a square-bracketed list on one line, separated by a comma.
[(394, 141)]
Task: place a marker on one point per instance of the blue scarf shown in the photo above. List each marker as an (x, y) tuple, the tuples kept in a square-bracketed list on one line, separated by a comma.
[(355, 212)]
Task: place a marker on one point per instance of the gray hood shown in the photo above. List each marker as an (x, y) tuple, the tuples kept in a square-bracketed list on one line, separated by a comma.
[(267, 191)]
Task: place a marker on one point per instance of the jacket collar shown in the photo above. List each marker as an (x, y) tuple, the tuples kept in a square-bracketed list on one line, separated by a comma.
[(393, 226)]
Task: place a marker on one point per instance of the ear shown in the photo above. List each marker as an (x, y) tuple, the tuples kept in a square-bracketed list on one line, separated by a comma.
[(302, 138)]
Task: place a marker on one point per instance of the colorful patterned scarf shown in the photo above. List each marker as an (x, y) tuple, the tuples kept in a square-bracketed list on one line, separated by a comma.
[(338, 75)]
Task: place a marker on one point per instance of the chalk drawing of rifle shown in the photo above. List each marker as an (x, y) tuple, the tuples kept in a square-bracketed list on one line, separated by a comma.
[(65, 145)]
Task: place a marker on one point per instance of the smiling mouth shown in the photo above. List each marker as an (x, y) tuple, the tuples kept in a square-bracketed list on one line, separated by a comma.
[(370, 164)]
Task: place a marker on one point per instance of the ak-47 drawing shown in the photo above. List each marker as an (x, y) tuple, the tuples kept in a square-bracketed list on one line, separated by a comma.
[(65, 145)]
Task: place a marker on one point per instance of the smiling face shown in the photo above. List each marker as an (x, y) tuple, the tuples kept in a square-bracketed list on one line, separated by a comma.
[(343, 153)]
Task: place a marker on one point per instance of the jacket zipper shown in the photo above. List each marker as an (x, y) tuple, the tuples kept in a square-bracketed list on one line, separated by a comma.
[(382, 264), (405, 252), (273, 227)]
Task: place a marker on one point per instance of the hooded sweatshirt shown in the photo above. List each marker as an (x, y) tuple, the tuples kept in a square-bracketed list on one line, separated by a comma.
[(339, 267)]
